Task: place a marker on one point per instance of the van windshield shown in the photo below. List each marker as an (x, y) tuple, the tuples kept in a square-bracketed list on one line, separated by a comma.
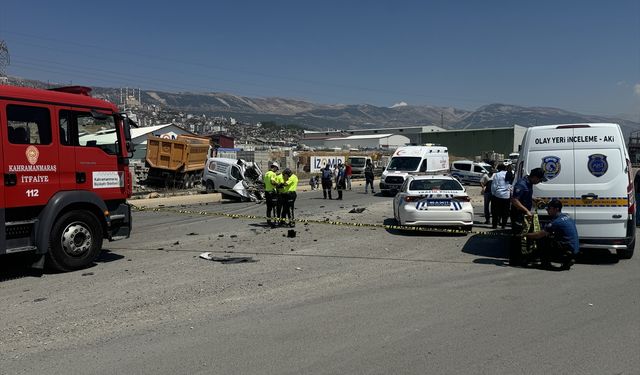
[(357, 162), (404, 163)]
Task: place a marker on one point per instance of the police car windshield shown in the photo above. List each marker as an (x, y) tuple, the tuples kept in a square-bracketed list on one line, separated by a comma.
[(404, 163)]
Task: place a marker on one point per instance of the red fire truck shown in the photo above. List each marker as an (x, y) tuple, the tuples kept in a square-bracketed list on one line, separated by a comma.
[(65, 176)]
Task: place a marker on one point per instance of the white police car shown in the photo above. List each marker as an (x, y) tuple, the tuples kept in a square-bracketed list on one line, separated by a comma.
[(433, 201)]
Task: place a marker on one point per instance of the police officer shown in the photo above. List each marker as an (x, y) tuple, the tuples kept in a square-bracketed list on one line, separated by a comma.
[(289, 186), (521, 205), (271, 196), (558, 239)]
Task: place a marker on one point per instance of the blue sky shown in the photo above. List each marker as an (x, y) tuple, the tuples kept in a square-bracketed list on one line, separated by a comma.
[(576, 55)]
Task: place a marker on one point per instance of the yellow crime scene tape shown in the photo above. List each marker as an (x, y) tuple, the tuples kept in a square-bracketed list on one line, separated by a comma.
[(325, 222)]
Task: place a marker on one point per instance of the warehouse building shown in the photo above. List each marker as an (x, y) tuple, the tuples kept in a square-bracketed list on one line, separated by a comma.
[(469, 143), (465, 143), (362, 142)]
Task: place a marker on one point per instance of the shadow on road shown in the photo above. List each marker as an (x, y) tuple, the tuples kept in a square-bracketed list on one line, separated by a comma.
[(428, 232), (493, 248), (17, 266)]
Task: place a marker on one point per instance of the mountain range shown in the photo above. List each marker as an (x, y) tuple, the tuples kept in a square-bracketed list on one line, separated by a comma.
[(339, 116)]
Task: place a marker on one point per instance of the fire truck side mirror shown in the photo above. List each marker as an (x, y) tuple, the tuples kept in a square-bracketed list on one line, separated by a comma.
[(128, 123)]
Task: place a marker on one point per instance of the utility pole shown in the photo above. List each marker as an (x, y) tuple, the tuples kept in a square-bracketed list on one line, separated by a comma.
[(4, 60)]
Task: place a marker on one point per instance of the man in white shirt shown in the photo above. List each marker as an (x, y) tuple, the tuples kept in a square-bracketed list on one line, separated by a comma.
[(500, 202), (485, 183)]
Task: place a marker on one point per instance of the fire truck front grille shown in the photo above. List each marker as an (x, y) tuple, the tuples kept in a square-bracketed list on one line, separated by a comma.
[(18, 231)]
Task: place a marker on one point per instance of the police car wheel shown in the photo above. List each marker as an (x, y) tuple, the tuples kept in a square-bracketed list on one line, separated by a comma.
[(75, 242)]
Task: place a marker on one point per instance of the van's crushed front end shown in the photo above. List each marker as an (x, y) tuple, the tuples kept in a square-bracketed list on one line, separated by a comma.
[(251, 187)]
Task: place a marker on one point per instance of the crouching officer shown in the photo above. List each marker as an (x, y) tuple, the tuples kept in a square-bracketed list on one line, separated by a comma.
[(271, 196), (559, 239), (289, 186)]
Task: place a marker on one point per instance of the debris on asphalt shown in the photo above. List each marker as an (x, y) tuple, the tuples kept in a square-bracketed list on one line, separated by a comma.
[(160, 248), (358, 210), (177, 243), (192, 234), (298, 269), (39, 299), (233, 236), (227, 260), (291, 233), (87, 274), (221, 235)]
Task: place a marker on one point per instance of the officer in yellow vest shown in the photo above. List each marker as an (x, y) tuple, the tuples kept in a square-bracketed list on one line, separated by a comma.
[(290, 184), (271, 196), (279, 190)]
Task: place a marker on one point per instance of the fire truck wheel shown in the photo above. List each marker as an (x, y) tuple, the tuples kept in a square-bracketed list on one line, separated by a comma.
[(76, 241)]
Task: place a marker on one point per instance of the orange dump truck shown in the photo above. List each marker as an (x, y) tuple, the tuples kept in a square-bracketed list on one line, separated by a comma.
[(176, 162)]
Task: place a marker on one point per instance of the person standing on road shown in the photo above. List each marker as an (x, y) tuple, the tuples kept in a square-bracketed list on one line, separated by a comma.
[(501, 192), (485, 184), (327, 181), (271, 197), (368, 177), (279, 190), (290, 184), (558, 239), (521, 205), (348, 172), (340, 181)]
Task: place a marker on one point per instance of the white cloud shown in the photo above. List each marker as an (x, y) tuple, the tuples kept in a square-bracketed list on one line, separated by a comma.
[(401, 104), (636, 89)]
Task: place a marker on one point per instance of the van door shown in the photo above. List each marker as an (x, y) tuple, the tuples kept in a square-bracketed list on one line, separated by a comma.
[(601, 192), (551, 150)]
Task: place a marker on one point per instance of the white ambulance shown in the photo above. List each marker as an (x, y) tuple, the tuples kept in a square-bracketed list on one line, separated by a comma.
[(588, 168), (430, 158)]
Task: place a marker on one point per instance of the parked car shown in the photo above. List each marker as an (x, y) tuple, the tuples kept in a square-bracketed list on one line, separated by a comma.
[(467, 171), (433, 201)]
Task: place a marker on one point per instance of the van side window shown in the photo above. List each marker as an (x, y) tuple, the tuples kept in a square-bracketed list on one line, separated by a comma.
[(423, 167), (479, 169), (84, 130), (28, 125), (462, 166)]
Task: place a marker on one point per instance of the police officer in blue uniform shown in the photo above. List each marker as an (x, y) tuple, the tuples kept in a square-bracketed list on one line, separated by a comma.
[(559, 239)]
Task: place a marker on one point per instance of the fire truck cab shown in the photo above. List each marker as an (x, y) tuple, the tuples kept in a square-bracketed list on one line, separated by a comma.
[(65, 176)]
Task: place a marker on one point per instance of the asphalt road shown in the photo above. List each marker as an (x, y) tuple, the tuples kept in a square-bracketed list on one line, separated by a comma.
[(332, 300)]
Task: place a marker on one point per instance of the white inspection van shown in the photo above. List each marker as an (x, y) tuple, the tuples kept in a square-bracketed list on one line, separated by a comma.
[(588, 168), (430, 158)]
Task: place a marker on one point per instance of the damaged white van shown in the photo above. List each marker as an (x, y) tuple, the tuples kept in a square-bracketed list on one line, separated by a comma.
[(233, 178), (588, 168)]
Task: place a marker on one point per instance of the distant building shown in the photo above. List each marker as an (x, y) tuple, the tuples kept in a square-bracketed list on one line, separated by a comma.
[(369, 141), (466, 143)]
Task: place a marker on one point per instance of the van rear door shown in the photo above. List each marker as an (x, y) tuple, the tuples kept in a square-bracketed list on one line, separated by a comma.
[(550, 149), (601, 183)]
